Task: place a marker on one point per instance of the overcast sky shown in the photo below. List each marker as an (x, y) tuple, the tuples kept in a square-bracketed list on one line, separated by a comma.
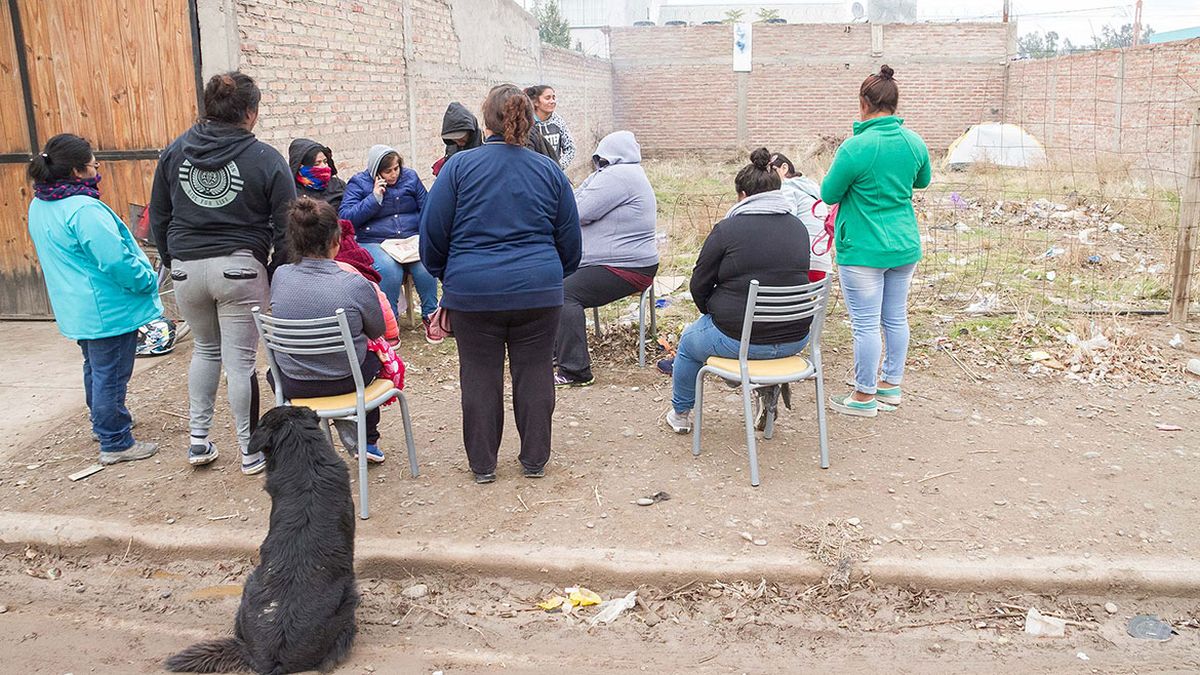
[(1074, 19)]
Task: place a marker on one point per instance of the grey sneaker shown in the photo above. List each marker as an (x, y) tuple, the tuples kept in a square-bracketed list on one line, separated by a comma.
[(139, 450), (199, 455), (679, 423)]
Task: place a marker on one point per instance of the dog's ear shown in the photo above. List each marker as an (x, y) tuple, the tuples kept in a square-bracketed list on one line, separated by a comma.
[(262, 440)]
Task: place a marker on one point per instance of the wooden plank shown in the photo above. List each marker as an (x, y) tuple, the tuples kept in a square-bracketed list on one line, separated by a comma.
[(1189, 230), (142, 76), (22, 291), (175, 64), (42, 65), (14, 128)]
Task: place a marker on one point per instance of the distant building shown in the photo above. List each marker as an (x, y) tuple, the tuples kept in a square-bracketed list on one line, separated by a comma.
[(1173, 35), (817, 12)]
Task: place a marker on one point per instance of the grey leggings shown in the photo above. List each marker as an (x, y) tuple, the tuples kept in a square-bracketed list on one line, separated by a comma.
[(215, 296)]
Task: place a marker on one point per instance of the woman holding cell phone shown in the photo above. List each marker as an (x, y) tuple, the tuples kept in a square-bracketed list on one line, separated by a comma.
[(384, 202)]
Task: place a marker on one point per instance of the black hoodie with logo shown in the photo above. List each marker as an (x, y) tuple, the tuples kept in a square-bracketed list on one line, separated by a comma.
[(218, 189)]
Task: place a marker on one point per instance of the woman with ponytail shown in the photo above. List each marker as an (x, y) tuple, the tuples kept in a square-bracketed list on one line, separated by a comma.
[(734, 254), (872, 178), (102, 288), (501, 230)]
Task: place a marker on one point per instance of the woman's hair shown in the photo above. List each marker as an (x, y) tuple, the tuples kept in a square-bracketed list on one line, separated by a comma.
[(312, 228), (507, 111), (59, 159), (757, 176), (387, 159), (230, 97), (779, 160), (535, 92), (879, 91)]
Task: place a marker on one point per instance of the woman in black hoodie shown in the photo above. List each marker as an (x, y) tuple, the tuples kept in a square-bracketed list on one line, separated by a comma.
[(460, 131), (218, 207), (315, 173)]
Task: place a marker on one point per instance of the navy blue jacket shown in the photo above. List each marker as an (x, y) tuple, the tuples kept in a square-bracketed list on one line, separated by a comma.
[(500, 229), (396, 218)]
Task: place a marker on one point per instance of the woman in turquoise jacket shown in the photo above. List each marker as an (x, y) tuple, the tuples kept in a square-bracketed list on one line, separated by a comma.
[(872, 179), (102, 288)]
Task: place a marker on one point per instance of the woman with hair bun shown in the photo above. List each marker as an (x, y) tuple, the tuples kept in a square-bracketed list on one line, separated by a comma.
[(732, 256), (218, 210), (101, 286), (872, 179), (313, 287), (501, 230)]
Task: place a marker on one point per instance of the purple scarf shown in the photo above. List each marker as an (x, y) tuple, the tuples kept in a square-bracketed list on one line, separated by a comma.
[(68, 187)]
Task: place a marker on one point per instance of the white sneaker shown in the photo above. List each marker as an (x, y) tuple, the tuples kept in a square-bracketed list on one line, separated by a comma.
[(679, 423)]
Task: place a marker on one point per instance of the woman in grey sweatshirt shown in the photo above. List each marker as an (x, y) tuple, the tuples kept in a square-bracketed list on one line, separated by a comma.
[(617, 212)]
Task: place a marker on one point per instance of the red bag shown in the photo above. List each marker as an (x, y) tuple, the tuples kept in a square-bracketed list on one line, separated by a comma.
[(439, 324), (830, 223)]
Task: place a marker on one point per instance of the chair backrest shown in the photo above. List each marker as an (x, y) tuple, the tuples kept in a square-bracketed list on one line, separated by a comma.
[(326, 335), (777, 304)]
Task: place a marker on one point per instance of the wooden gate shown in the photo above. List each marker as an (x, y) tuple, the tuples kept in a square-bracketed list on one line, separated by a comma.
[(123, 74)]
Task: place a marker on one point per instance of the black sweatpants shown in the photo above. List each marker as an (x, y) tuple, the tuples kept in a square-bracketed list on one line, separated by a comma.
[(483, 337), (588, 287), (318, 388)]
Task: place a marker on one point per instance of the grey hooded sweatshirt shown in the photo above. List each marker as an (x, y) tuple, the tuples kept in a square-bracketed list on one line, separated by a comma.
[(617, 208)]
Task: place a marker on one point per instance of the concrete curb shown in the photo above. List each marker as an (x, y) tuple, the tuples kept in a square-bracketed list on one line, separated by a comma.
[(400, 557)]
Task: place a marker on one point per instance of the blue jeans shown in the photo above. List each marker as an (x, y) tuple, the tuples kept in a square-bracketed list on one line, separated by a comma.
[(107, 367), (877, 297), (703, 339), (392, 281)]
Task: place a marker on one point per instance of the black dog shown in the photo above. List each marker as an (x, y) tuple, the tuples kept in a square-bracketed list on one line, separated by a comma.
[(297, 610)]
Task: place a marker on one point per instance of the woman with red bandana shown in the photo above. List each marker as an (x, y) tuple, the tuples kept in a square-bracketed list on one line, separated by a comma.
[(314, 172)]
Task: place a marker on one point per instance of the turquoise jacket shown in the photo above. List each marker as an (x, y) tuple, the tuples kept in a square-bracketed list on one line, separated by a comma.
[(100, 282), (872, 178)]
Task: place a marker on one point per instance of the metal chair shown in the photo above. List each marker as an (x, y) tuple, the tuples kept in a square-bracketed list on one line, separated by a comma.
[(331, 335), (772, 304), (645, 303)]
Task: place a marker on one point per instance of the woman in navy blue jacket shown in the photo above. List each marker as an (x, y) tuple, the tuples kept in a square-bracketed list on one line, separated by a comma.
[(385, 202), (501, 231)]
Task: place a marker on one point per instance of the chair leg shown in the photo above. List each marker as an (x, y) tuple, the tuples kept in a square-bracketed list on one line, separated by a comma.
[(653, 313), (747, 413), (329, 431), (408, 301), (408, 437), (821, 431), (698, 410), (596, 321), (769, 427), (642, 331), (362, 464)]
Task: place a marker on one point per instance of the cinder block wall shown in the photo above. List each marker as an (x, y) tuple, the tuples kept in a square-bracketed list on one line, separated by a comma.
[(342, 72), (676, 87)]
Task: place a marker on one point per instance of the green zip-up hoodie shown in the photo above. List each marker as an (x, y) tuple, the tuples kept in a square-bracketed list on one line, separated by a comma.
[(872, 179)]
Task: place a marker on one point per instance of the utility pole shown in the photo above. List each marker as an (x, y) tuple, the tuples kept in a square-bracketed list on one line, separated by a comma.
[(1137, 24), (1007, 7)]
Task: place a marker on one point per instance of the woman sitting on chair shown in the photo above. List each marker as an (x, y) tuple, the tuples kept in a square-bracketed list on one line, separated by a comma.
[(733, 255), (617, 212), (315, 287)]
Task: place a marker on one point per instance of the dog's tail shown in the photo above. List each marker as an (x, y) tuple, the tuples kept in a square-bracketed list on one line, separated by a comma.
[(226, 655)]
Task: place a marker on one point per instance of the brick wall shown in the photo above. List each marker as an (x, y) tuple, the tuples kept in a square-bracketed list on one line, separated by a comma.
[(1131, 106), (336, 71), (677, 90)]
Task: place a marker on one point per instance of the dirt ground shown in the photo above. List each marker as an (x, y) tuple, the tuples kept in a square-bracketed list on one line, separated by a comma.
[(1018, 465), (123, 615)]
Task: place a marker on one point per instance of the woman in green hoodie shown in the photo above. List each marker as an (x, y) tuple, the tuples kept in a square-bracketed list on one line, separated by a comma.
[(872, 180)]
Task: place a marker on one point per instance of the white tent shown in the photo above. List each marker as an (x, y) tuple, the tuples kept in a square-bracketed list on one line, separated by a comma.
[(998, 144)]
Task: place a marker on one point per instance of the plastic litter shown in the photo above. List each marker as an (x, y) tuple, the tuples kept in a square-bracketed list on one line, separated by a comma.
[(1149, 627), (1177, 341), (575, 597), (1039, 625), (1193, 366), (1054, 252), (611, 609), (1094, 259)]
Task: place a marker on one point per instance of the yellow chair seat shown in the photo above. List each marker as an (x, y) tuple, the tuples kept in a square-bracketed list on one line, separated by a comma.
[(765, 369), (374, 390)]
